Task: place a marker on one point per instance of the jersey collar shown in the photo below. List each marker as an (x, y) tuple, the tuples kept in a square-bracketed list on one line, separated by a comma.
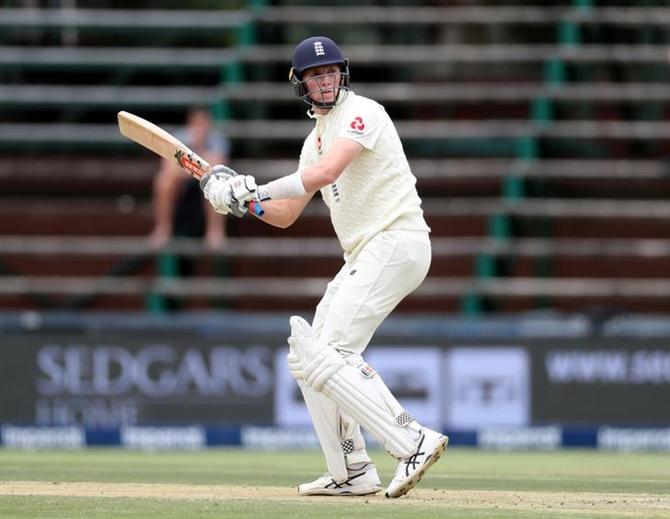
[(312, 115)]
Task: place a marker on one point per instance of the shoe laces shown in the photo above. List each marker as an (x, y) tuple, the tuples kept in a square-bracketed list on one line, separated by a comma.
[(412, 461), (328, 482)]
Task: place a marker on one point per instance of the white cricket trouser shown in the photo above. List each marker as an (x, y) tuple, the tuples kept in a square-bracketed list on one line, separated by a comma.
[(358, 299)]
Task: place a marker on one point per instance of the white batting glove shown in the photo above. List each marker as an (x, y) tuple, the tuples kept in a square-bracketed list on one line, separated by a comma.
[(223, 172), (213, 182), (242, 190), (217, 191), (230, 195), (218, 171)]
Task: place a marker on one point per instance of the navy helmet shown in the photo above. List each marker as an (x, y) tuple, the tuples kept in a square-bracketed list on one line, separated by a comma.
[(318, 51)]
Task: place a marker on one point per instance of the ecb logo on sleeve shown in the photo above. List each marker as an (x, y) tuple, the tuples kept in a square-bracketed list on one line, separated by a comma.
[(318, 49)]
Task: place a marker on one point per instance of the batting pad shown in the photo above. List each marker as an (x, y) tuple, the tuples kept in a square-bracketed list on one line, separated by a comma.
[(326, 422), (354, 390), (294, 365), (333, 430)]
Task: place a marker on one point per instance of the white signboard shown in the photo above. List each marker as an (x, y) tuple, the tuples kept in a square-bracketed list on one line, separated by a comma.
[(487, 386)]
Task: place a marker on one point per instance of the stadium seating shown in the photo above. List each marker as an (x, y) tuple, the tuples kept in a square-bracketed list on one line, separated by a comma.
[(538, 136)]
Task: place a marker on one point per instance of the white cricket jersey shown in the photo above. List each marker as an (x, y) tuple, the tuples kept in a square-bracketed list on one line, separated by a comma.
[(377, 190)]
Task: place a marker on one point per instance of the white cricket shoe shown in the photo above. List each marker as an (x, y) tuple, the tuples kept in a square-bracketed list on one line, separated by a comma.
[(361, 482), (409, 471)]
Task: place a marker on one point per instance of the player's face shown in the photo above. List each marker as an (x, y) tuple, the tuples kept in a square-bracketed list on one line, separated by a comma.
[(322, 83)]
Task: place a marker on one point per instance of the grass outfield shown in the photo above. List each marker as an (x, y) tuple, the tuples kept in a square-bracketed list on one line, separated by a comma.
[(228, 483)]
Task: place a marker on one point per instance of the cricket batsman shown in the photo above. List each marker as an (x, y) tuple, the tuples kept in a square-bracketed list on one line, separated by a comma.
[(354, 157)]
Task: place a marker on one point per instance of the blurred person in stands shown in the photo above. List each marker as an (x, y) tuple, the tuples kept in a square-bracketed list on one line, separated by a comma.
[(178, 208), (355, 158)]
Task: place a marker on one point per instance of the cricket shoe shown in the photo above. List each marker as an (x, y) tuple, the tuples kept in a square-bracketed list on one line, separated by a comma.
[(409, 471), (361, 482)]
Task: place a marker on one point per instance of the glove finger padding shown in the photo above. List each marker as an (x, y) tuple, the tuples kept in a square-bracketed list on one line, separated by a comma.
[(219, 171), (227, 191), (242, 191), (243, 188), (238, 209), (218, 193)]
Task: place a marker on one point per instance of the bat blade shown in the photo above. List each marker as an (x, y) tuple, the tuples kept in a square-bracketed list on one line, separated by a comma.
[(162, 143)]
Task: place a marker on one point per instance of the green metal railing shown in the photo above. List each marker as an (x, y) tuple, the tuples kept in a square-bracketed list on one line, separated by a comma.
[(513, 184)]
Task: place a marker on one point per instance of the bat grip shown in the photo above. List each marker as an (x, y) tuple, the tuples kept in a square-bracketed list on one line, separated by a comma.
[(256, 208)]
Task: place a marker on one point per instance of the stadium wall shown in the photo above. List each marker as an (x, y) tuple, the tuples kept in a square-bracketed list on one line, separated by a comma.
[(190, 381)]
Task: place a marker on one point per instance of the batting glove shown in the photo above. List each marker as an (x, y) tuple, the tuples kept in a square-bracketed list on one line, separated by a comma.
[(229, 193), (212, 183), (243, 188)]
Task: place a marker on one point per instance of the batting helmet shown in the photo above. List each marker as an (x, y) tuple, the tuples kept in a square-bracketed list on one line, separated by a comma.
[(318, 51)]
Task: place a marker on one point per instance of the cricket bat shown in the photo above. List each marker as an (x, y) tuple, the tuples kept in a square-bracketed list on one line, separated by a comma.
[(169, 147)]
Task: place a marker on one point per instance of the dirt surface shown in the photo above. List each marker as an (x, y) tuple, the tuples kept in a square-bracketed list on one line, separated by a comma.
[(614, 504)]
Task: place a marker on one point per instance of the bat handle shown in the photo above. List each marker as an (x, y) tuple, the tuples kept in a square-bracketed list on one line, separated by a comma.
[(256, 208)]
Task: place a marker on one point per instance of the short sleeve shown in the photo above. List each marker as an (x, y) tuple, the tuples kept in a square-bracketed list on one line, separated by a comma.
[(363, 123)]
